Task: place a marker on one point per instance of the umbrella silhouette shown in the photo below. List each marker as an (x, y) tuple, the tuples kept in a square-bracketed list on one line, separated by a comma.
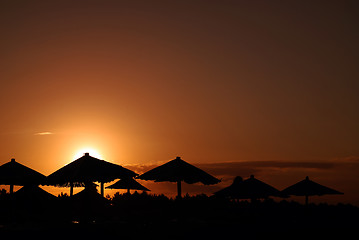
[(128, 183), (89, 193), (177, 171), (14, 173), (308, 188), (86, 170), (88, 203), (250, 188), (33, 193)]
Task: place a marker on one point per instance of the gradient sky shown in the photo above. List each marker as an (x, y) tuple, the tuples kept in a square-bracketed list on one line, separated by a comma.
[(142, 82)]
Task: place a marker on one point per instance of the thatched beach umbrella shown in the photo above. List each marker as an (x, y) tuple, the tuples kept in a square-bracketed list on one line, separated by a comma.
[(177, 171), (86, 170), (308, 188), (32, 201), (250, 188), (128, 183), (14, 173), (232, 191), (88, 204), (33, 193), (89, 193)]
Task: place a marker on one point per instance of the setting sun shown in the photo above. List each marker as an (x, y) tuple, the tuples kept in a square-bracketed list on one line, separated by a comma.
[(93, 152), (258, 99), (234, 87)]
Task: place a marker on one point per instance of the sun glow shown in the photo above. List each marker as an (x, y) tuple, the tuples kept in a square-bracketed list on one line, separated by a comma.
[(93, 153)]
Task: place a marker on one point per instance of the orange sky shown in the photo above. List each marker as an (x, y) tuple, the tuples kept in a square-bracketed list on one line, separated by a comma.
[(211, 81)]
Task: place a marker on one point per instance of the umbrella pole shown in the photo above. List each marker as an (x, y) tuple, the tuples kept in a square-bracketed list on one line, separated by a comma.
[(71, 189), (102, 189), (306, 200), (179, 190), (11, 189)]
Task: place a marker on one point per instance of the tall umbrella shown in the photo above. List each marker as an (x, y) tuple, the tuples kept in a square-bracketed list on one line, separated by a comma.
[(308, 188), (177, 171), (250, 188), (86, 170), (128, 183), (14, 173)]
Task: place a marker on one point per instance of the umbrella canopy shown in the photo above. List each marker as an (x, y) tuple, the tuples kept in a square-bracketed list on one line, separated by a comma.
[(178, 170), (88, 203), (88, 169), (231, 191), (89, 193), (14, 173), (250, 188), (308, 188), (33, 193), (128, 183)]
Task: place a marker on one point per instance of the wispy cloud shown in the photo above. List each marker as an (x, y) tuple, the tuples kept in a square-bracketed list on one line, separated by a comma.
[(337, 173), (246, 167), (43, 133), (260, 165), (227, 171)]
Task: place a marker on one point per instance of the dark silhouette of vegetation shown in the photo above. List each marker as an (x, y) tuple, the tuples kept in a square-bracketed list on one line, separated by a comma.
[(141, 215), (241, 210)]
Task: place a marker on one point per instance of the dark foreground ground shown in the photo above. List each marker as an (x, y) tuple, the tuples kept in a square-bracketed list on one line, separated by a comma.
[(142, 216)]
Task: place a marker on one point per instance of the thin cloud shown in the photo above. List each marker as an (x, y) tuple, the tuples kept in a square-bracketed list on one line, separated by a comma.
[(246, 168), (349, 159), (228, 170), (43, 133), (337, 173), (141, 168)]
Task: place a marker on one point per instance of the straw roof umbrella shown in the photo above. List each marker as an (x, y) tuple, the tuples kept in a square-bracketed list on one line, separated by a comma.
[(128, 183), (308, 188), (177, 171), (14, 173), (33, 193), (231, 191), (88, 204), (89, 193), (250, 188), (86, 170)]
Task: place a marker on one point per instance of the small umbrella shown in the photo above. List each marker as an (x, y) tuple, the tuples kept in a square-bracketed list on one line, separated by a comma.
[(308, 188), (250, 188), (33, 193), (14, 173), (128, 183), (89, 194), (31, 200), (231, 191), (88, 203), (88, 169), (177, 171)]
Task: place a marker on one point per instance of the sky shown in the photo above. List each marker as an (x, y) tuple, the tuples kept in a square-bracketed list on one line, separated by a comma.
[(237, 87)]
